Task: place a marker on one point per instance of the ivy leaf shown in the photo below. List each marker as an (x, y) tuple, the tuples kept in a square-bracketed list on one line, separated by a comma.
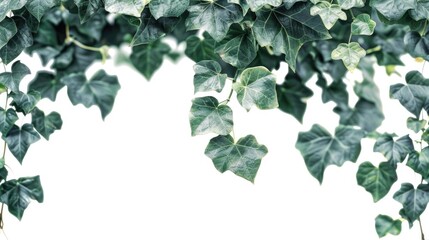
[(289, 30), (168, 8), (127, 7), (3, 172), (243, 158), (415, 124), (22, 39), (12, 79), (347, 4), (201, 49), (25, 103), (385, 224), (16, 194), (255, 5), (365, 114), (417, 45), (213, 16), (88, 8), (257, 86), (376, 180), (148, 58), (394, 151), (392, 9), (320, 149), (363, 25), (412, 96), (329, 13), (289, 3), (149, 29), (19, 140), (38, 8), (208, 116), (100, 90), (7, 120), (46, 125), (349, 53), (47, 84), (8, 5), (414, 201), (208, 76), (421, 10), (419, 162), (7, 31)]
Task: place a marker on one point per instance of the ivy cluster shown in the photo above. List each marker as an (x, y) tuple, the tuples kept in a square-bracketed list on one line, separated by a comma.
[(241, 41)]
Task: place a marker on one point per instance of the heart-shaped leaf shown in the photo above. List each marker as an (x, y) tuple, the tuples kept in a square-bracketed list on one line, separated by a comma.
[(22, 39), (394, 151), (415, 124), (148, 58), (349, 53), (414, 201), (47, 84), (19, 140), (255, 5), (419, 162), (38, 8), (417, 45), (12, 79), (392, 9), (208, 76), (87, 8), (376, 180), (46, 125), (25, 103), (8, 5)]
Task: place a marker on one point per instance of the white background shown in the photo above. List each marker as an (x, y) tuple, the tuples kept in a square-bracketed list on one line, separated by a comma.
[(140, 174)]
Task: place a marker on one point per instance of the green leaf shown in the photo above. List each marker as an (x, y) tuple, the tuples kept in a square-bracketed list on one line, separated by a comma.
[(46, 34), (385, 224), (25, 103), (47, 84), (394, 151), (289, 3), (365, 114), (425, 136), (168, 8), (208, 116), (349, 53), (87, 8), (214, 16), (148, 58), (257, 86), (7, 31), (46, 125), (329, 13), (255, 5), (421, 10), (12, 79), (415, 124), (289, 30), (7, 120), (363, 25), (201, 49), (413, 96), (22, 39), (419, 162), (100, 90), (417, 45), (38, 8), (243, 157), (127, 7), (16, 194), (347, 4), (19, 140), (8, 5), (376, 180), (320, 149), (3, 171), (208, 76), (392, 9), (414, 201), (239, 51)]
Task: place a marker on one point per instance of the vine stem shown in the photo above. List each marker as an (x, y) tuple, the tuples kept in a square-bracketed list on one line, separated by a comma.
[(3, 156), (421, 229), (232, 89)]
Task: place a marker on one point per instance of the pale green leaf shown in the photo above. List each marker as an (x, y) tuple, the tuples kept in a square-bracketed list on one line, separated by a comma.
[(415, 124), (363, 25), (19, 140), (392, 9), (168, 8), (347, 4), (385, 225), (12, 79), (38, 8), (329, 13), (46, 125), (414, 201), (208, 76), (349, 53), (7, 31), (394, 151), (255, 5), (127, 7), (376, 180)]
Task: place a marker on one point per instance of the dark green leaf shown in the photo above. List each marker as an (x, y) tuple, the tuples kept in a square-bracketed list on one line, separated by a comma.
[(349, 53), (289, 30), (46, 54), (87, 8), (12, 79), (392, 9), (7, 120), (19, 140), (368, 90), (94, 26), (414, 201), (419, 162), (148, 58), (242, 157), (385, 224), (214, 16), (425, 136), (376, 180), (415, 124), (18, 42), (208, 116), (201, 49), (394, 151), (363, 25), (16, 194), (417, 45), (257, 86), (25, 103), (7, 31), (255, 5), (100, 90), (8, 5), (347, 4), (289, 3), (421, 10), (3, 172), (168, 8), (320, 149), (46, 125), (208, 76), (365, 114), (329, 13), (64, 59), (47, 84), (336, 91), (149, 30), (127, 7), (38, 8), (413, 96), (47, 34)]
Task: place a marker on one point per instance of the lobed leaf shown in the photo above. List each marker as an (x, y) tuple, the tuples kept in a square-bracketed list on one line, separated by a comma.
[(394, 151), (7, 31), (348, 4), (419, 162), (415, 124), (208, 76), (88, 8), (392, 9), (255, 5), (19, 140), (376, 180), (25, 103), (363, 25), (168, 8), (21, 40), (385, 225), (47, 84), (349, 53), (148, 58), (127, 7), (46, 125), (7, 120), (38, 8), (414, 201), (417, 45), (329, 13), (12, 79)]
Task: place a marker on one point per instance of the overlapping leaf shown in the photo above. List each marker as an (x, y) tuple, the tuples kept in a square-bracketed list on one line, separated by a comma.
[(47, 84), (38, 8), (289, 3), (25, 102), (8, 5), (201, 49), (7, 31), (421, 10), (127, 7), (148, 58), (46, 125), (7, 120), (392, 9), (385, 225), (168, 8), (365, 114), (414, 201), (415, 124), (87, 8), (349, 53), (417, 45), (394, 151), (376, 180), (320, 149), (22, 39), (208, 76), (255, 5), (243, 157), (329, 13), (12, 79), (19, 140), (363, 25), (419, 162)]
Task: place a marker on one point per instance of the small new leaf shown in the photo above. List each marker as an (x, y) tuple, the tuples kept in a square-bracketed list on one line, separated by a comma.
[(376, 180), (127, 7), (207, 116), (414, 201), (168, 8), (243, 158), (385, 225), (19, 140), (208, 76), (12, 79), (363, 25), (349, 53), (257, 86), (46, 125), (329, 13), (394, 151)]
